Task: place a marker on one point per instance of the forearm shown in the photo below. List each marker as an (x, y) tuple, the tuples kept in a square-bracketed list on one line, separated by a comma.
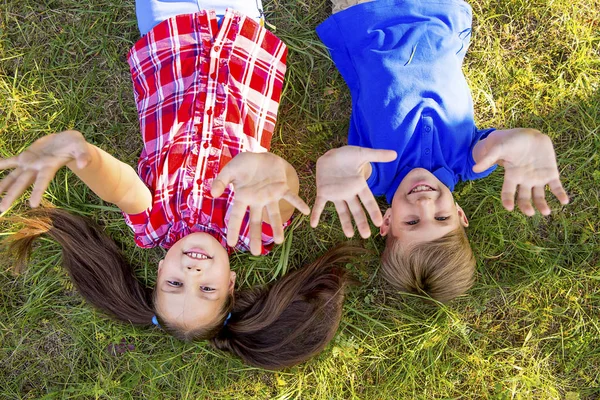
[(113, 181)]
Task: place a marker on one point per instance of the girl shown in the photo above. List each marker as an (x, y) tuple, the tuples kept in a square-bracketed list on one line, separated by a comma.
[(207, 90)]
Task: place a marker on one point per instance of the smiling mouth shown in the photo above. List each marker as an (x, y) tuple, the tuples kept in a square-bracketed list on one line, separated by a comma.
[(197, 256), (422, 188)]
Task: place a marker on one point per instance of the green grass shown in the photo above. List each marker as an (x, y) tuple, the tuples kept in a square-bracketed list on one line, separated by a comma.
[(529, 328)]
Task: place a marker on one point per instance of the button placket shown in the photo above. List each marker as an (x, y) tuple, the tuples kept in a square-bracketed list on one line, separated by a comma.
[(426, 140)]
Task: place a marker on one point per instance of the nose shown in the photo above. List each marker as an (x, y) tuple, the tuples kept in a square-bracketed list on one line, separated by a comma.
[(424, 197), (190, 268), (426, 207)]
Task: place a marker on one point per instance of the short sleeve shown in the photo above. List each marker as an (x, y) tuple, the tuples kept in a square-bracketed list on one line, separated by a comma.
[(333, 38), (139, 225)]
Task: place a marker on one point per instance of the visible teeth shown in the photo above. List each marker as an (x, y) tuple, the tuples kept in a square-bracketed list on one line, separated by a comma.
[(197, 256), (422, 188)]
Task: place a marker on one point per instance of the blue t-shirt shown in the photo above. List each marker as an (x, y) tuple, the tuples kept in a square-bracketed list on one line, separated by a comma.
[(402, 61)]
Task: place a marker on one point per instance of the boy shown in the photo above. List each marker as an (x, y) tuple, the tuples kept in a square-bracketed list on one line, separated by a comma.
[(402, 62)]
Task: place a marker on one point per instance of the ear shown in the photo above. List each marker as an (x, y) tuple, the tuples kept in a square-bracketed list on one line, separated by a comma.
[(160, 264), (387, 222), (232, 276), (462, 217)]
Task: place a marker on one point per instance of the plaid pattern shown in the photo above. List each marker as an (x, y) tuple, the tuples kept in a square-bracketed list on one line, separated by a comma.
[(203, 95)]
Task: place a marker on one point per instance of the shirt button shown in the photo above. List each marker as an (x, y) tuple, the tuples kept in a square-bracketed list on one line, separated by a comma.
[(217, 48), (205, 145), (427, 129), (427, 151), (209, 112), (213, 76)]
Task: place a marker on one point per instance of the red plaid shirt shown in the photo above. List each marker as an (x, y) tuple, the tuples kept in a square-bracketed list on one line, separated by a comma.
[(203, 95)]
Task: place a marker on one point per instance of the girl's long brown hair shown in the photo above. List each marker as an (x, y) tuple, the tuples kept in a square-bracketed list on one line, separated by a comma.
[(294, 318), (271, 327)]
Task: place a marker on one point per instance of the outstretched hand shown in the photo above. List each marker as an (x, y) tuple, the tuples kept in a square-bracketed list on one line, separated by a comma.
[(342, 175), (260, 181), (38, 165), (529, 164)]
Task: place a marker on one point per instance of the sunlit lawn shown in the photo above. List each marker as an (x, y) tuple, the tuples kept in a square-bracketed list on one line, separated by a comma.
[(529, 328)]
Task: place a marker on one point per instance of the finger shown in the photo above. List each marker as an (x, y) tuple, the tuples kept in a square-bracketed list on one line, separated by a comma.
[(39, 187), (256, 230), (524, 200), (359, 218), (224, 178), (17, 188), (10, 162), (82, 159), (508, 194), (9, 180), (557, 189), (317, 210), (539, 200), (377, 155), (217, 188), (238, 212), (342, 209), (368, 200), (275, 221), (488, 160), (297, 202)]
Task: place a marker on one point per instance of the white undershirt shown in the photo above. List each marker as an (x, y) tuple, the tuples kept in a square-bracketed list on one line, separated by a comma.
[(251, 8)]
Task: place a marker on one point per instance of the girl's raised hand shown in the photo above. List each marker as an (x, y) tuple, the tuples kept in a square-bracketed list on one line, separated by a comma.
[(342, 175), (260, 181), (38, 165), (529, 162)]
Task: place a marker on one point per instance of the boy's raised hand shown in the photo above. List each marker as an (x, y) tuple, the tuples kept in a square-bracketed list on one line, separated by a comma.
[(342, 175), (260, 181), (38, 165), (529, 162)]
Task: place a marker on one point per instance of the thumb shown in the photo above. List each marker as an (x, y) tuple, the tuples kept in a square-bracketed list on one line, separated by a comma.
[(221, 181), (489, 159), (377, 155), (82, 159), (217, 188)]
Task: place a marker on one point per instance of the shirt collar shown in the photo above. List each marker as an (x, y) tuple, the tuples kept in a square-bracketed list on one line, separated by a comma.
[(446, 176)]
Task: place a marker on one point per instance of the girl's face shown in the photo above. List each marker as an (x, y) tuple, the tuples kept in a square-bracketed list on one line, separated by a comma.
[(193, 282)]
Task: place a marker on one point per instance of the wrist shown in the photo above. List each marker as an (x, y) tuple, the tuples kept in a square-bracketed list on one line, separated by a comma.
[(87, 149), (492, 142)]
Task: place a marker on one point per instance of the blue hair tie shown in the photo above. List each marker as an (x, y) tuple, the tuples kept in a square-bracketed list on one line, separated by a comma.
[(155, 321), (227, 319)]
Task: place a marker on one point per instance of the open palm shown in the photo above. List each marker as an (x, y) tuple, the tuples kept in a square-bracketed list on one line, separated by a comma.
[(341, 179), (529, 165), (260, 182), (38, 164)]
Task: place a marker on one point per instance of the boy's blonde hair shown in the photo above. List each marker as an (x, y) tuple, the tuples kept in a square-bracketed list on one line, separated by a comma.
[(443, 268)]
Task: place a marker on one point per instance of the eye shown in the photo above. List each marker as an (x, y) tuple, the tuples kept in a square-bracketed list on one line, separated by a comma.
[(441, 218), (175, 283), (207, 289), (416, 221)]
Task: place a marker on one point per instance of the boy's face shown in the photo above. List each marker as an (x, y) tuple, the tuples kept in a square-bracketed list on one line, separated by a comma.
[(422, 210), (193, 282)]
